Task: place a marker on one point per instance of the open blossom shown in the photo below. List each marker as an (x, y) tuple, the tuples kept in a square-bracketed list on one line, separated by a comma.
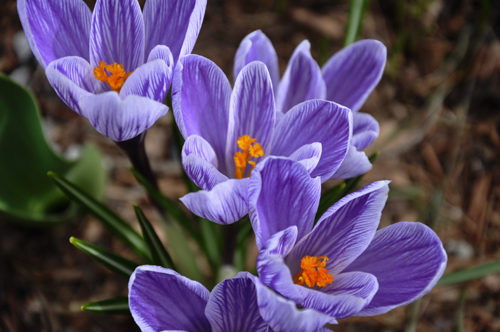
[(162, 300), (347, 78), (113, 66), (229, 132), (342, 266)]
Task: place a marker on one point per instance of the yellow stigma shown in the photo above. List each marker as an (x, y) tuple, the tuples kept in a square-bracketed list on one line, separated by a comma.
[(250, 149), (115, 75), (313, 272)]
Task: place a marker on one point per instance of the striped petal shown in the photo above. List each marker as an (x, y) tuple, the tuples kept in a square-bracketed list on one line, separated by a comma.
[(302, 80), (121, 119), (56, 29), (174, 23), (352, 74), (257, 47), (117, 34), (407, 259)]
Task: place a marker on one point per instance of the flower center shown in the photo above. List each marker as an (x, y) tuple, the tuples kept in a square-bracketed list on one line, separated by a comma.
[(313, 272), (251, 149), (115, 75)]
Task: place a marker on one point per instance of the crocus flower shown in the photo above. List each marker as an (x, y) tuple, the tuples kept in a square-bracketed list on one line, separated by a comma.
[(162, 300), (347, 78), (342, 266), (113, 66), (229, 132)]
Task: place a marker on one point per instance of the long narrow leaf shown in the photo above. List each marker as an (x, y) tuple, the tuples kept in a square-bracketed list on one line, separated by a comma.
[(115, 306), (210, 242), (469, 274), (158, 252), (328, 198), (113, 262), (172, 209), (357, 11), (107, 217)]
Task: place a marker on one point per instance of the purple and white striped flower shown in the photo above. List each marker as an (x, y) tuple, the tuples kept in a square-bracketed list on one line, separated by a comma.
[(162, 300), (113, 66), (229, 132), (342, 266), (347, 78)]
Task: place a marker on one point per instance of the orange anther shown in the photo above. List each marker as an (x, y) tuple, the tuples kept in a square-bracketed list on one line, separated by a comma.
[(115, 75), (313, 272), (251, 149)]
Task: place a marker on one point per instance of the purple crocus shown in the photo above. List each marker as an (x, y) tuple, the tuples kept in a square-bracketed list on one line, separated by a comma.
[(113, 66), (342, 266), (347, 78), (162, 300), (229, 132)]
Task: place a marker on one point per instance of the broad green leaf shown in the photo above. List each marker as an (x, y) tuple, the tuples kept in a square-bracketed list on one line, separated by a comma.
[(26, 195), (107, 217), (469, 274), (159, 254), (113, 262), (115, 306), (357, 10)]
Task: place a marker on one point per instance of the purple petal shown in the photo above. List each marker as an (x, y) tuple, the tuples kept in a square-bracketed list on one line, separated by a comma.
[(120, 119), (233, 306), (226, 203), (162, 52), (282, 194), (407, 258), (355, 163), (352, 74), (117, 34), (360, 284), (257, 47), (200, 97), (151, 80), (174, 23), (345, 230), (302, 80), (251, 111), (336, 306), (308, 155), (282, 314), (365, 130), (316, 121), (72, 78), (200, 163), (56, 29), (161, 299), (271, 266)]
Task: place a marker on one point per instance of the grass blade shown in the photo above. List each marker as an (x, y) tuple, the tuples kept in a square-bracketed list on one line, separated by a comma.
[(114, 306), (469, 274), (158, 252), (357, 12), (113, 262), (107, 217)]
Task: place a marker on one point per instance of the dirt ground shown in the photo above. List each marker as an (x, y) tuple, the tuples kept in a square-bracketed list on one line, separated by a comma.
[(438, 106)]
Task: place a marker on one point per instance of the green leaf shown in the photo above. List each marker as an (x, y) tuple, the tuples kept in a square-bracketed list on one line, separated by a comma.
[(357, 12), (328, 199), (210, 242), (26, 195), (113, 262), (158, 253), (115, 306), (107, 217), (469, 274), (172, 208)]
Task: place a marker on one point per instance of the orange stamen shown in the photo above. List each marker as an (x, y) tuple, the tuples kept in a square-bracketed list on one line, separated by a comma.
[(115, 75), (251, 149), (313, 272)]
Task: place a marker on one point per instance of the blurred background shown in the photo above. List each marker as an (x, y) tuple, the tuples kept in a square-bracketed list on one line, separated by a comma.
[(438, 106)]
